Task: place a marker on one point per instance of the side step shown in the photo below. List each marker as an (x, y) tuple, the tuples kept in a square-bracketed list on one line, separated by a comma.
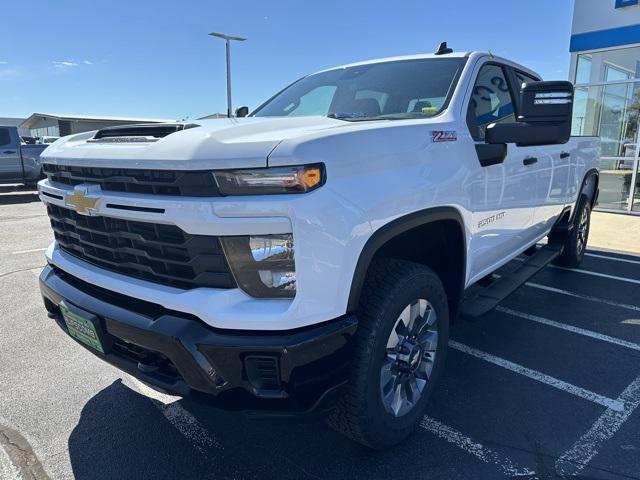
[(489, 297)]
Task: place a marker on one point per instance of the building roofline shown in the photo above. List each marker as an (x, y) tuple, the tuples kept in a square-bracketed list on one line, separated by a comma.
[(36, 116)]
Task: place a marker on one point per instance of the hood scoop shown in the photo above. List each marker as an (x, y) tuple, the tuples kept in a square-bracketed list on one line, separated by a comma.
[(142, 133)]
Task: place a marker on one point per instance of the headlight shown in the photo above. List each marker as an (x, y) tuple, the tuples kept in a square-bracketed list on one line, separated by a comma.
[(263, 265), (265, 181)]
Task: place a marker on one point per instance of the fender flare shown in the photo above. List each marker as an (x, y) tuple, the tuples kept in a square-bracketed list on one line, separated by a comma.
[(393, 229), (593, 172)]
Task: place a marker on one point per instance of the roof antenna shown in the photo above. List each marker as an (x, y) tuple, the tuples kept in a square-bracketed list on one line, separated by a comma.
[(443, 49)]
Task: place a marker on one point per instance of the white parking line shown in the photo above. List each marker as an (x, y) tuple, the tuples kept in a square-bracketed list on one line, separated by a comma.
[(598, 274), (18, 252), (569, 328), (626, 260), (478, 450), (180, 418), (577, 295), (615, 405), (605, 427), (583, 296)]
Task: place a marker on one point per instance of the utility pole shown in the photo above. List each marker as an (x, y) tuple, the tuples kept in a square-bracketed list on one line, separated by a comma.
[(227, 40)]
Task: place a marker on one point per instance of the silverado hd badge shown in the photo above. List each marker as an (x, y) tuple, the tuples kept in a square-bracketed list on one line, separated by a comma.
[(84, 198), (489, 220)]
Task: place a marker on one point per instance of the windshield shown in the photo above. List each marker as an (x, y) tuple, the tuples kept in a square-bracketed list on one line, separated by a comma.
[(389, 90)]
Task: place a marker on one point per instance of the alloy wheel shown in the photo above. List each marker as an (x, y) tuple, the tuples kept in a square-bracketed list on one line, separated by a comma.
[(409, 357), (583, 230)]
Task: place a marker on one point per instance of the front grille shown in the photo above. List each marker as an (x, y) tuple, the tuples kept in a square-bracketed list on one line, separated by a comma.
[(158, 182), (158, 253)]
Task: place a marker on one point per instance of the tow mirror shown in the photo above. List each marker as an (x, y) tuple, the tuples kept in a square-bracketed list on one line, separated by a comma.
[(545, 116), (242, 112)]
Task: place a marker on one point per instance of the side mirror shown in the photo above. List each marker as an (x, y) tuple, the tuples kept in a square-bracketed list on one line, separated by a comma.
[(546, 109), (242, 112)]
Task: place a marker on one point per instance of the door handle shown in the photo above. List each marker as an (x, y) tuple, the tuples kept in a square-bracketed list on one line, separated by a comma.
[(564, 155), (530, 160), (9, 152)]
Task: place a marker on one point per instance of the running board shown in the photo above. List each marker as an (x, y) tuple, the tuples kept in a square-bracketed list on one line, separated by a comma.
[(489, 297)]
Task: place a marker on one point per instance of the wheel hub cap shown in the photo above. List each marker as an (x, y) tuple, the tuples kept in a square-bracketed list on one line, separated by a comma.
[(409, 357)]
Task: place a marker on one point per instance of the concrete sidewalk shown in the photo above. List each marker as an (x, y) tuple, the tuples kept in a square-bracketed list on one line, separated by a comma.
[(612, 231)]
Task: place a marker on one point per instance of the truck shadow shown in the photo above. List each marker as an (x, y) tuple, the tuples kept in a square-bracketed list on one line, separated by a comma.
[(17, 194), (121, 434)]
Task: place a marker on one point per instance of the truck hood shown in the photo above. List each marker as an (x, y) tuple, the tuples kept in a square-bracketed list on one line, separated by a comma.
[(213, 144)]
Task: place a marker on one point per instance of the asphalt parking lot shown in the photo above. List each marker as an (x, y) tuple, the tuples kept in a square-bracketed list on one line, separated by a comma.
[(547, 386)]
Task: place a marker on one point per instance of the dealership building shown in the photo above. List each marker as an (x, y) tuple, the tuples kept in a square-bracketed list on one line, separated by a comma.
[(605, 67), (60, 125)]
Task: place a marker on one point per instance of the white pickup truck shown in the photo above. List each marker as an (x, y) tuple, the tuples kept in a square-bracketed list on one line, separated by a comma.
[(311, 257)]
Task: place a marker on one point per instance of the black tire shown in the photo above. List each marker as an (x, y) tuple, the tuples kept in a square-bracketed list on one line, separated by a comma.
[(576, 242), (390, 286)]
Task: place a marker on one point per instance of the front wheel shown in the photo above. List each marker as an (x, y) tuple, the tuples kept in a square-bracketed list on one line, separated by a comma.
[(576, 242), (400, 345)]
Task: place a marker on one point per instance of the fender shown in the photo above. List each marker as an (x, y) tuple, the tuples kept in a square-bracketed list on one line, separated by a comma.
[(564, 224), (593, 194), (393, 229)]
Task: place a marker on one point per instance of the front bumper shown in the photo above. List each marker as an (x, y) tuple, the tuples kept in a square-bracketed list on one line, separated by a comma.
[(293, 372)]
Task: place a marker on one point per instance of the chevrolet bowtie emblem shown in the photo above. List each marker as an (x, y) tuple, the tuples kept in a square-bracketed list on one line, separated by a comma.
[(82, 200)]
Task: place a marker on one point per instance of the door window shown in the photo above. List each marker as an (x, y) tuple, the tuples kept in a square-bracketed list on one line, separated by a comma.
[(491, 101), (524, 78), (5, 138)]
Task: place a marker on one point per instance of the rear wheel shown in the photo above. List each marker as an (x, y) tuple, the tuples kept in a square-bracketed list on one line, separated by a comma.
[(576, 242), (400, 345)]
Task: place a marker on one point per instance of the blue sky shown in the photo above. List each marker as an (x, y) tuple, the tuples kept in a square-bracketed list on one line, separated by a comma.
[(153, 58)]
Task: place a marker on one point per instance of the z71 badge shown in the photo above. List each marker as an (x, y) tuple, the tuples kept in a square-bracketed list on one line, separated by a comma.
[(444, 135)]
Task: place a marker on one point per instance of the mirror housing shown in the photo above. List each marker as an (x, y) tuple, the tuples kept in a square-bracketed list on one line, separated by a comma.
[(242, 111), (546, 110)]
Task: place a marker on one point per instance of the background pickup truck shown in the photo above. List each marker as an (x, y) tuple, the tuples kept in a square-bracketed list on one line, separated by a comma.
[(311, 256), (19, 162)]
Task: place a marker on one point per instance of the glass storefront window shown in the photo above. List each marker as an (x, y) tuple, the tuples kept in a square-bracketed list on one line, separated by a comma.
[(611, 112), (607, 104), (587, 106), (614, 74), (615, 131), (608, 66), (636, 196), (583, 69)]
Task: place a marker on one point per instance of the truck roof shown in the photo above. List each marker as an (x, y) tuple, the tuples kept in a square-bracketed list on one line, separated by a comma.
[(420, 56)]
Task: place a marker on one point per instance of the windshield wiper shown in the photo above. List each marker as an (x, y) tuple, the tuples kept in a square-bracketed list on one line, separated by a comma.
[(364, 118), (347, 116)]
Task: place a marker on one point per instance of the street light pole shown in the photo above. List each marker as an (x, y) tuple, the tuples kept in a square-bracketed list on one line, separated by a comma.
[(227, 40)]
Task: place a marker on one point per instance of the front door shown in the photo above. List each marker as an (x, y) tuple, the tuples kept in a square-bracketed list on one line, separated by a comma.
[(503, 196)]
